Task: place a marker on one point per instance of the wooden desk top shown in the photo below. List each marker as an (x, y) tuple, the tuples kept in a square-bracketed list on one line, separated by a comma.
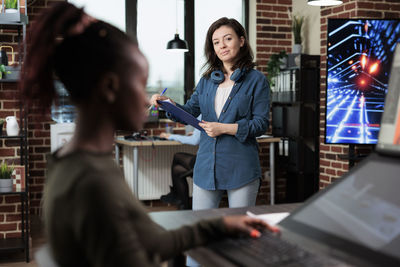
[(147, 143), (175, 219), (271, 139), (121, 141)]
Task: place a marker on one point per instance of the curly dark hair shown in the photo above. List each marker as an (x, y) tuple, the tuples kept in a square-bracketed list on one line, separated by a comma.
[(245, 56)]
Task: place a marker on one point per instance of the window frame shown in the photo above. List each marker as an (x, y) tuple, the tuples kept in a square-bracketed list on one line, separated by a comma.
[(189, 12)]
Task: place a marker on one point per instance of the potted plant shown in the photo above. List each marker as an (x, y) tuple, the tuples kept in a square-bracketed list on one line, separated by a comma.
[(6, 181), (3, 71), (11, 6), (297, 24), (274, 64)]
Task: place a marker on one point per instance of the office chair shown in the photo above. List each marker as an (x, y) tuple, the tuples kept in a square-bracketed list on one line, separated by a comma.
[(185, 206)]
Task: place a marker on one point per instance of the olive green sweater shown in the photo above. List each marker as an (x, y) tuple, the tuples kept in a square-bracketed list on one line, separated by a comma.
[(92, 218)]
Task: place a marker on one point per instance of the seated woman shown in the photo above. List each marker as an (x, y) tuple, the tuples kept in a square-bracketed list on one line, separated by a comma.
[(91, 217)]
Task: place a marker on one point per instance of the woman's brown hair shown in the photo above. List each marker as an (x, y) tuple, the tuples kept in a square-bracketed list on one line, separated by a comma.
[(244, 59)]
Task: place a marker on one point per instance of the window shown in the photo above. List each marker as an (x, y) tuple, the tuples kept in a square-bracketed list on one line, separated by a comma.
[(156, 22), (110, 11)]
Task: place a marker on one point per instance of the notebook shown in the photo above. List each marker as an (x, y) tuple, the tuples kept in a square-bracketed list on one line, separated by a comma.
[(180, 114)]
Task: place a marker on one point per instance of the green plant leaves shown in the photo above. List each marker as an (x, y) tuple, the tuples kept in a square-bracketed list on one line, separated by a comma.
[(11, 4), (273, 66), (6, 171), (297, 23)]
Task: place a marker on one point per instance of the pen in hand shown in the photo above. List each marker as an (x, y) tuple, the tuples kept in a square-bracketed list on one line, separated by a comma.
[(165, 89)]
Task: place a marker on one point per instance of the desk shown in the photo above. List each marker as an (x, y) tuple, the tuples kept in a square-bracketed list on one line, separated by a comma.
[(174, 219), (131, 168)]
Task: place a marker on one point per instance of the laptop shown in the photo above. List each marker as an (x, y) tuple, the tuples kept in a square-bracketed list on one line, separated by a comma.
[(354, 222)]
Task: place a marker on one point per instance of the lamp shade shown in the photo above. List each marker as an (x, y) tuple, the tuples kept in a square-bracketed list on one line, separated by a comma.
[(178, 44), (324, 2)]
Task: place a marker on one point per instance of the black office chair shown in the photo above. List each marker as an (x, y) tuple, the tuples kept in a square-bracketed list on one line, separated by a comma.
[(185, 206)]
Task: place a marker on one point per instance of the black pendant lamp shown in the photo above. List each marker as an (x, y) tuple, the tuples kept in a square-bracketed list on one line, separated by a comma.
[(325, 2), (177, 44)]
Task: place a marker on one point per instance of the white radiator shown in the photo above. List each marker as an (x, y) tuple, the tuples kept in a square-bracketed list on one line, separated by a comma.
[(154, 175)]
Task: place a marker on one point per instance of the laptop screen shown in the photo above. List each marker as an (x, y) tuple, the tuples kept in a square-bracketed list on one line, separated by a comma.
[(363, 208), (389, 134)]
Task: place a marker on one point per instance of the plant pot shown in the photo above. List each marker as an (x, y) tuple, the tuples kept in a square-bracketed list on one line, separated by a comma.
[(296, 49), (11, 10), (283, 63), (6, 185)]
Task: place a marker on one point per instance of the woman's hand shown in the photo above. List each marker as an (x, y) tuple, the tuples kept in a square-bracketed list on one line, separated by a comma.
[(155, 97), (247, 225), (214, 129)]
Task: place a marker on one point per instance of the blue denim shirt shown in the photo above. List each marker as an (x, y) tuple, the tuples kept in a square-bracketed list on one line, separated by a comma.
[(229, 162)]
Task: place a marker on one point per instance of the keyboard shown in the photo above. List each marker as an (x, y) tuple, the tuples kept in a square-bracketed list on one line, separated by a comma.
[(268, 250)]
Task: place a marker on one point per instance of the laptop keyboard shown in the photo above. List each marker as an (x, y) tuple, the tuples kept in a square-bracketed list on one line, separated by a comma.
[(268, 250)]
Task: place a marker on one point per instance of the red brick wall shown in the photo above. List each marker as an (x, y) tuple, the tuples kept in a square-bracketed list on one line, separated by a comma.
[(273, 29), (331, 167), (273, 35), (38, 139)]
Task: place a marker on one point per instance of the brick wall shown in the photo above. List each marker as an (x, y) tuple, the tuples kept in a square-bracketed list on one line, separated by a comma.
[(273, 35), (331, 167), (38, 138)]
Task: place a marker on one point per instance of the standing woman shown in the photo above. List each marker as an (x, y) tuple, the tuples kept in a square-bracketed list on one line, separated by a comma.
[(233, 99), (91, 217)]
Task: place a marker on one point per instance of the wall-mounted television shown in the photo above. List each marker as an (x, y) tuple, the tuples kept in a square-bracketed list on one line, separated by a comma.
[(359, 59)]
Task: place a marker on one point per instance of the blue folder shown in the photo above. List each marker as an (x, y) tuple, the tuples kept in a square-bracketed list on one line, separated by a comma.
[(180, 114)]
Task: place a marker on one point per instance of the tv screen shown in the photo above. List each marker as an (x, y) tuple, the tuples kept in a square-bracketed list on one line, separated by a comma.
[(359, 58)]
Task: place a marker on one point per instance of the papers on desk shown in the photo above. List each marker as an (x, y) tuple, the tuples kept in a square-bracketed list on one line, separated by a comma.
[(270, 218), (264, 136)]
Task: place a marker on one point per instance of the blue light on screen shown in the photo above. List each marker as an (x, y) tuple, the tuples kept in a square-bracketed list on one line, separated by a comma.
[(359, 59)]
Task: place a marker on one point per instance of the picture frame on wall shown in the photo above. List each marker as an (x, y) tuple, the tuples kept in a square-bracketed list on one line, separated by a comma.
[(18, 178)]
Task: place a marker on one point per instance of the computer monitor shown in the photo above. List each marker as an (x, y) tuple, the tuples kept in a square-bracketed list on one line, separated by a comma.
[(359, 58)]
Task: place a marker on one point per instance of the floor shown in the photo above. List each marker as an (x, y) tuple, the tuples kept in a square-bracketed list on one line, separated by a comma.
[(38, 239)]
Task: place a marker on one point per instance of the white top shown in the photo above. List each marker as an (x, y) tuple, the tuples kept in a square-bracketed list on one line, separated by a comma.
[(220, 98)]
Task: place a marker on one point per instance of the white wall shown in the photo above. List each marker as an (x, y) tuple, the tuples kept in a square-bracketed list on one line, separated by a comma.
[(112, 12), (312, 26), (252, 25)]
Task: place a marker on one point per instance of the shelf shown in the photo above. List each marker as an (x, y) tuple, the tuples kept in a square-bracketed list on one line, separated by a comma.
[(14, 192), (12, 20), (9, 80), (16, 22), (12, 137), (12, 244)]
